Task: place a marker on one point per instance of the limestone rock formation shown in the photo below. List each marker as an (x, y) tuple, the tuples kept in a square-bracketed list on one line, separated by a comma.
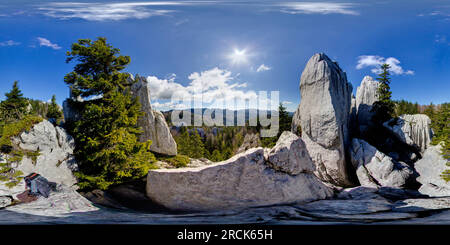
[(366, 95), (324, 117), (153, 122), (245, 180), (55, 161), (414, 130), (375, 169), (250, 141), (289, 155), (430, 168), (295, 124), (71, 114)]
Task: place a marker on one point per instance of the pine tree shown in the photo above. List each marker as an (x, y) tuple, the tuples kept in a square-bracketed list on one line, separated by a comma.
[(284, 119), (384, 107), (14, 107), (53, 110), (107, 147)]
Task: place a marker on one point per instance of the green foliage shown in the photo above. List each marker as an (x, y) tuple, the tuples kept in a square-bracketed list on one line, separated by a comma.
[(384, 107), (14, 107), (8, 130), (14, 129), (178, 161), (190, 144), (406, 107), (440, 123), (284, 120), (53, 110), (107, 147), (38, 108)]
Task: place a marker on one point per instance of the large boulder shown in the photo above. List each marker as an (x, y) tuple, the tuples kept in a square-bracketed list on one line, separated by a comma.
[(366, 95), (153, 122), (289, 155), (375, 169), (324, 113), (430, 169), (256, 177), (55, 161), (414, 130)]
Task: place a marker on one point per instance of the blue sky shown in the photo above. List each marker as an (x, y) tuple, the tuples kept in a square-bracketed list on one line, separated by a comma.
[(234, 46)]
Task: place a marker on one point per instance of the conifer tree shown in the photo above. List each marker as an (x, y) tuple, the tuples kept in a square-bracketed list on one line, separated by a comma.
[(384, 107), (107, 147), (14, 107), (284, 119), (53, 110)]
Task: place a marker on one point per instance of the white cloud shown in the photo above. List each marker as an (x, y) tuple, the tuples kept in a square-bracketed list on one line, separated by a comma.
[(376, 61), (105, 11), (263, 68), (46, 43), (318, 8), (9, 43), (286, 102), (180, 22), (209, 87), (441, 39)]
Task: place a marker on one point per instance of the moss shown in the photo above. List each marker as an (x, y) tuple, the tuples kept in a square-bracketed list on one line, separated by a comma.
[(33, 155), (15, 155), (15, 129), (178, 161)]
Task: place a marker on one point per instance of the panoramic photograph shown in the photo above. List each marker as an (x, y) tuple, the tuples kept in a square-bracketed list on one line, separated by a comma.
[(267, 113)]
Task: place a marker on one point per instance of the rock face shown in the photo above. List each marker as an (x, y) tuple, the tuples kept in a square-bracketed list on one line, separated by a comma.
[(71, 114), (245, 180), (414, 130), (375, 169), (289, 155), (55, 161), (430, 168), (295, 125), (64, 200), (324, 117), (153, 122), (366, 95), (250, 141)]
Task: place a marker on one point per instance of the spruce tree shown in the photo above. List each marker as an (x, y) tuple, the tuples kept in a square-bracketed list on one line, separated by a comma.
[(384, 107), (284, 119), (53, 110), (14, 107), (107, 147)]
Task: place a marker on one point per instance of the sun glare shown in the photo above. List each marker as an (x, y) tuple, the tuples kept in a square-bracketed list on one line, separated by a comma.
[(238, 56)]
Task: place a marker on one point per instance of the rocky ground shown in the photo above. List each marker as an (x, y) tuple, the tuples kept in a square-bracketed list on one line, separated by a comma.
[(358, 205)]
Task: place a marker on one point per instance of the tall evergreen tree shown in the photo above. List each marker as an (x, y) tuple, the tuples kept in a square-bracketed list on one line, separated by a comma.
[(14, 107), (107, 146), (384, 107), (53, 110), (284, 119)]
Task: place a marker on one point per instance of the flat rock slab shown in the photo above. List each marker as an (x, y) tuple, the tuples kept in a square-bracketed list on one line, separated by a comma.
[(422, 204), (63, 201), (383, 216), (346, 207)]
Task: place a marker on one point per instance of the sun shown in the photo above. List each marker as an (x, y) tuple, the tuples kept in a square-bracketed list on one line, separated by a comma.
[(239, 56)]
